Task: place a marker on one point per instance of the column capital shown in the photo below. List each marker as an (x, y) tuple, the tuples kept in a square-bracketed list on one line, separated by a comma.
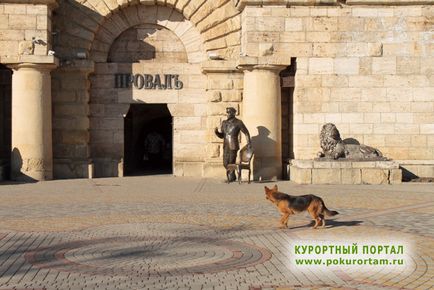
[(47, 62), (34, 66), (261, 63)]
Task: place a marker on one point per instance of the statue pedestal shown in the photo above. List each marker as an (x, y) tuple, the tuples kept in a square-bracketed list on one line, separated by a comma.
[(344, 172)]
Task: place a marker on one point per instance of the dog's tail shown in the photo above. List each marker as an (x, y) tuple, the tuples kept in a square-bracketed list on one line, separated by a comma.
[(327, 211)]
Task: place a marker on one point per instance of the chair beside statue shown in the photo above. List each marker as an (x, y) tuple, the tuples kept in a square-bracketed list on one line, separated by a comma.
[(246, 155)]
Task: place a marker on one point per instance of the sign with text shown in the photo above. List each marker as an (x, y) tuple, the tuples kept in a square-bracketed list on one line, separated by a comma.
[(148, 81)]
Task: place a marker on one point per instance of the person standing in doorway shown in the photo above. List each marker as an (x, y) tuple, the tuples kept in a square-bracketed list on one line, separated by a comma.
[(154, 148)]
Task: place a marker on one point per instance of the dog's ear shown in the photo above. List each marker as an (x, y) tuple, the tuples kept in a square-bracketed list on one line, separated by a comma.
[(266, 189), (275, 187)]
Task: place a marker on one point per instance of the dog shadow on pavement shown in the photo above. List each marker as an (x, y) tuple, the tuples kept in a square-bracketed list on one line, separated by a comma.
[(330, 224)]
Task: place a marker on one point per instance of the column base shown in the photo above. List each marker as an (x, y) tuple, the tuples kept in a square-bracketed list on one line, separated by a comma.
[(32, 176), (29, 169)]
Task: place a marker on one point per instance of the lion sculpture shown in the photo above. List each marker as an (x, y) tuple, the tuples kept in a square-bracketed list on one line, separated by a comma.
[(334, 147)]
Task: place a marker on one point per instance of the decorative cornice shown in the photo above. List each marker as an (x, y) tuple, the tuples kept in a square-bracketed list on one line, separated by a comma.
[(241, 4), (389, 2), (51, 3)]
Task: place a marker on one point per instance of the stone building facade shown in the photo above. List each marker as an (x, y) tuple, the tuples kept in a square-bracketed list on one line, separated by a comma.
[(287, 66)]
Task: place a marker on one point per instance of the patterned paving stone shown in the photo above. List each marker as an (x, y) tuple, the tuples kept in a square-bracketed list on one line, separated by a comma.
[(145, 250), (168, 233)]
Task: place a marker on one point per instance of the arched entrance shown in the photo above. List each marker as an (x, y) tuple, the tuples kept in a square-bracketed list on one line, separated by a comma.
[(146, 81), (5, 120), (178, 35)]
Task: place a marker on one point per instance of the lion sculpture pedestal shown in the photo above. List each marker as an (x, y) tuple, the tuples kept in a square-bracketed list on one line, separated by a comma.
[(344, 162)]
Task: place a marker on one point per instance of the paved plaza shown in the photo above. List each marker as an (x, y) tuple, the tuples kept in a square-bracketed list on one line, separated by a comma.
[(163, 232)]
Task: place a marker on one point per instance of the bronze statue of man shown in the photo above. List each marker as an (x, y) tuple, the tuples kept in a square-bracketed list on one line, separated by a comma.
[(230, 131)]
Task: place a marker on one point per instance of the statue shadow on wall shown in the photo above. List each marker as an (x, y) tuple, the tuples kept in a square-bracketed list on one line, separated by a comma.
[(15, 166), (262, 144)]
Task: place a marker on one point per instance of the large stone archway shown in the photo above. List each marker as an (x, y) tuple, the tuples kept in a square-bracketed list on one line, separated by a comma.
[(84, 93), (163, 31)]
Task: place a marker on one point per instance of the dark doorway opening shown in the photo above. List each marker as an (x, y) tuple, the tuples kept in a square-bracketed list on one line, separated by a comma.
[(5, 121), (148, 140), (287, 77)]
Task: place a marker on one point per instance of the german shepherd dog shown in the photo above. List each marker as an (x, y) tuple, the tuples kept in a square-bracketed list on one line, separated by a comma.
[(288, 205)]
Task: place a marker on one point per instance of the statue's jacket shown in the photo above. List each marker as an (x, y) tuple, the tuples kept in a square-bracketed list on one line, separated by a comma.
[(231, 129)]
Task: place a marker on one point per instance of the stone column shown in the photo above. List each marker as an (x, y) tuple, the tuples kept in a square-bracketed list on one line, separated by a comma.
[(32, 156), (262, 116)]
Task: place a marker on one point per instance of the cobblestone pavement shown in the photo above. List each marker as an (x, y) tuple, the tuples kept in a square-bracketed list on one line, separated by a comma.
[(163, 232)]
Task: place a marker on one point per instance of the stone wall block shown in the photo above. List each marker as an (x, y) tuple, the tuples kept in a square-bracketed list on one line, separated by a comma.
[(75, 137), (375, 176), (321, 65), (189, 152), (4, 21), (193, 169), (351, 176), (326, 176), (300, 175), (187, 123), (192, 96), (214, 96), (346, 66), (232, 96), (270, 24), (220, 84), (219, 109), (384, 65), (181, 110), (213, 150), (9, 48), (214, 170), (22, 22), (294, 24), (302, 163), (15, 8), (193, 137), (37, 9), (396, 176)]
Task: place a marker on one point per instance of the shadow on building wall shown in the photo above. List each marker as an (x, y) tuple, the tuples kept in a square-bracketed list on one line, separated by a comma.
[(16, 165), (261, 144)]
